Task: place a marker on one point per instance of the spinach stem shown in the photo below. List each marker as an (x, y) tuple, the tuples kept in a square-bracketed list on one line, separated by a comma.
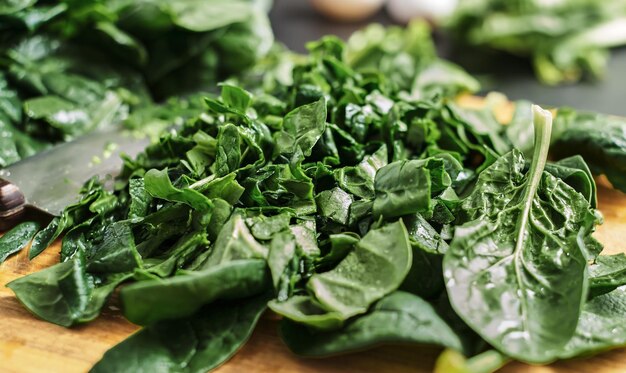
[(542, 122)]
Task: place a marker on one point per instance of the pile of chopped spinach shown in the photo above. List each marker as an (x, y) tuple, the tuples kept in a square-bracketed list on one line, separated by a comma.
[(566, 40), (70, 67), (346, 192)]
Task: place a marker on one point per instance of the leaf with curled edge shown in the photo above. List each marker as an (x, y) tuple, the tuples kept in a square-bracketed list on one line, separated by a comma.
[(397, 318), (376, 267), (301, 129), (601, 325), (197, 343), (519, 258)]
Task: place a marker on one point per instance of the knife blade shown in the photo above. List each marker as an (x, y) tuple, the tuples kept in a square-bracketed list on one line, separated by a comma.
[(51, 180)]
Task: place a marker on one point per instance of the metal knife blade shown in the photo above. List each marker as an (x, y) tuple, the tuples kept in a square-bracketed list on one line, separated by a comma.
[(51, 180)]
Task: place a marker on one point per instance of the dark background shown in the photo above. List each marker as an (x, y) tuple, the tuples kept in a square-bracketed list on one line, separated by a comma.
[(295, 22)]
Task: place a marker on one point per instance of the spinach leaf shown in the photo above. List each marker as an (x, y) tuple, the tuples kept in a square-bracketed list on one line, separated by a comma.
[(228, 154), (193, 344), (64, 294), (147, 302), (404, 187), (264, 228), (301, 128), (291, 252), (334, 205), (116, 253), (158, 184), (235, 242), (600, 326), (576, 140), (17, 239), (575, 173), (520, 256), (359, 179), (425, 278), (607, 273), (397, 318), (92, 193), (355, 283), (599, 139), (306, 310), (140, 198)]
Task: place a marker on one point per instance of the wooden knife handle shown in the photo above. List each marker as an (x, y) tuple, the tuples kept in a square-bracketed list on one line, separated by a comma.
[(12, 205)]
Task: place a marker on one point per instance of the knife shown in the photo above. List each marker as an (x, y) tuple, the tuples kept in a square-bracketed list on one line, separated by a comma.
[(51, 180)]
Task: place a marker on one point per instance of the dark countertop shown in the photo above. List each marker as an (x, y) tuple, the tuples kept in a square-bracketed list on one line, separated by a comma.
[(295, 23)]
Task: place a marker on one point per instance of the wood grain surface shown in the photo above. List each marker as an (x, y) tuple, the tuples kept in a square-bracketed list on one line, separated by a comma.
[(28, 344)]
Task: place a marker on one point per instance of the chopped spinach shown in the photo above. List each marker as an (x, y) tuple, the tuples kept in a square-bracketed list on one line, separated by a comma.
[(17, 239), (343, 189)]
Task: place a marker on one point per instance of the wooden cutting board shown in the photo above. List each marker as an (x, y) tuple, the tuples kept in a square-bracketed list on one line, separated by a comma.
[(28, 344)]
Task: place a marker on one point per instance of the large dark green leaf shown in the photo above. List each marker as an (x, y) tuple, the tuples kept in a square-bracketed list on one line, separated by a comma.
[(519, 259), (198, 343), (147, 302), (397, 318), (64, 294), (599, 139)]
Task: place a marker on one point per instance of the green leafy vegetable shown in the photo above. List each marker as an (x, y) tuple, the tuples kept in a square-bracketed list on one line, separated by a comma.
[(17, 239), (342, 189), (194, 344), (69, 68), (150, 301), (397, 318), (599, 327), (607, 273), (566, 40), (511, 266), (64, 294), (376, 267)]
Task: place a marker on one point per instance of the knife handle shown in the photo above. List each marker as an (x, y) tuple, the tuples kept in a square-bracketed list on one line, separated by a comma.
[(12, 205)]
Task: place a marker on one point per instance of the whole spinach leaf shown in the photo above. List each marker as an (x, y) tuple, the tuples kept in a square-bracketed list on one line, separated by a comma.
[(193, 344), (519, 258), (64, 294), (397, 318), (147, 302)]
